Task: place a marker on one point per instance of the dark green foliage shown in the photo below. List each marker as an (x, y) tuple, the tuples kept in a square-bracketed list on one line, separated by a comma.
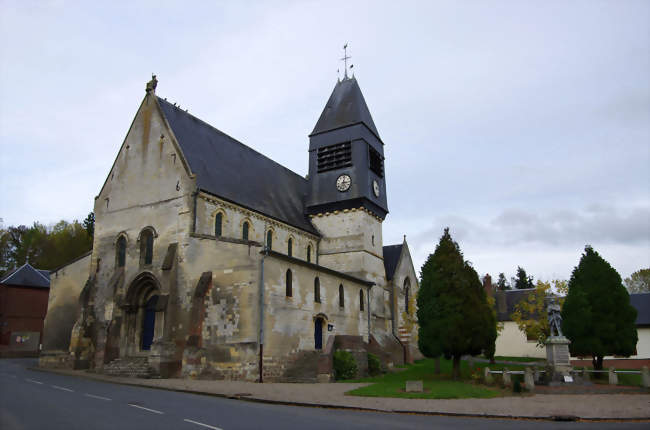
[(502, 282), (597, 316), (374, 365), (345, 367), (43, 247), (516, 385), (453, 312), (89, 224), (523, 281)]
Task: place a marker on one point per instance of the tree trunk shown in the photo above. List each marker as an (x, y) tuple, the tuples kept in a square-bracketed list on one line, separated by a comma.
[(436, 366), (455, 372)]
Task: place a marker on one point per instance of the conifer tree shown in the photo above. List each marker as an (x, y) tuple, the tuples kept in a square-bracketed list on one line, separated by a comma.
[(523, 281), (597, 316), (453, 312)]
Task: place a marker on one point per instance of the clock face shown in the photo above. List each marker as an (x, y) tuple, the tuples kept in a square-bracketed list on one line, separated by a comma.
[(343, 183), (375, 188)]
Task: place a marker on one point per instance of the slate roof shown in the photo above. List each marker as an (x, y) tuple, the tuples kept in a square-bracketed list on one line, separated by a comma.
[(346, 106), (507, 300), (391, 258), (27, 276), (231, 170), (641, 303)]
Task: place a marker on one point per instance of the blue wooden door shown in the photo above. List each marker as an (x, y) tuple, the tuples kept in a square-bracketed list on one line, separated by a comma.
[(149, 322), (318, 333)]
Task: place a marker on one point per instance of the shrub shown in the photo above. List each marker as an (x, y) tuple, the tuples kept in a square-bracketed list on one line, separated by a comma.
[(374, 365), (516, 386), (345, 367)]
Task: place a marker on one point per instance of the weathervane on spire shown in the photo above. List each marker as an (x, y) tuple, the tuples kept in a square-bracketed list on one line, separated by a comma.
[(345, 59)]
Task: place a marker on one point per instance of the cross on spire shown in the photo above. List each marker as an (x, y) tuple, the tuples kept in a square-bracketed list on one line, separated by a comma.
[(345, 59)]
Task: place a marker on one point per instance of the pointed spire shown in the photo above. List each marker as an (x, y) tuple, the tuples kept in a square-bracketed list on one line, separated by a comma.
[(346, 106)]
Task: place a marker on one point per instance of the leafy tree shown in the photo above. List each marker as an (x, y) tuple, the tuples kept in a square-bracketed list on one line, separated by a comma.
[(89, 224), (530, 314), (639, 281), (523, 281), (597, 316), (502, 283), (453, 312), (43, 247)]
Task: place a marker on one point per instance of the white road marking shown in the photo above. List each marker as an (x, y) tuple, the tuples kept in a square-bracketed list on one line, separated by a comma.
[(62, 388), (97, 397), (201, 424), (146, 409), (32, 380), (13, 376)]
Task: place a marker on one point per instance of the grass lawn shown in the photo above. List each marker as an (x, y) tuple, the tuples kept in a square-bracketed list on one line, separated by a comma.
[(631, 379), (518, 359), (436, 386)]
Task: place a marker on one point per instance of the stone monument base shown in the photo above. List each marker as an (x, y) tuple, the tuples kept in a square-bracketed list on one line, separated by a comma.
[(557, 357)]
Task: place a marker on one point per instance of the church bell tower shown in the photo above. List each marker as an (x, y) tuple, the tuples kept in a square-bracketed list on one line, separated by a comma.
[(347, 187), (346, 156)]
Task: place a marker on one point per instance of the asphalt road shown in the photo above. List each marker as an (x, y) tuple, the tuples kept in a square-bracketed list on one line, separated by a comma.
[(36, 400)]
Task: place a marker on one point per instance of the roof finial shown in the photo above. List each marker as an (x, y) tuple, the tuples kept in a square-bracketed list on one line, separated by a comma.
[(151, 85), (345, 59)]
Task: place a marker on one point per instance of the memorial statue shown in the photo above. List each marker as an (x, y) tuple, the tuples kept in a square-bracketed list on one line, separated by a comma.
[(554, 317)]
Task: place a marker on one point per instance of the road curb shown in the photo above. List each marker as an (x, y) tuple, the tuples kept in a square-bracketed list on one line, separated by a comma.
[(110, 380)]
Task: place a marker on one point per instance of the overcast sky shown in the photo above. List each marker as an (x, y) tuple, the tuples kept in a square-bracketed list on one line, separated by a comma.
[(523, 126)]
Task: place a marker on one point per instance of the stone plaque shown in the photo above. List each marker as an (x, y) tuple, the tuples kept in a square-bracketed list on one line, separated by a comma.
[(414, 386)]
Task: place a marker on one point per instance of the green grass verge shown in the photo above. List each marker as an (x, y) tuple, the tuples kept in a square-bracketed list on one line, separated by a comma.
[(436, 386), (630, 379), (518, 359)]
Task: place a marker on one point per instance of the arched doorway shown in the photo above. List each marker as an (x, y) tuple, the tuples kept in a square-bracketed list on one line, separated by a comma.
[(318, 333), (149, 322), (144, 316)]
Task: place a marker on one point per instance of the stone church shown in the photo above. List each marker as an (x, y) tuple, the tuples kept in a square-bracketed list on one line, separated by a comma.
[(211, 260)]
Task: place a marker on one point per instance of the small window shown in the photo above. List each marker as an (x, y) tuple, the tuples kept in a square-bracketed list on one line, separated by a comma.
[(244, 231), (376, 162), (121, 251), (289, 282), (269, 239), (290, 247), (317, 290), (146, 246), (309, 254), (361, 300), (341, 297), (334, 156), (407, 292), (218, 222)]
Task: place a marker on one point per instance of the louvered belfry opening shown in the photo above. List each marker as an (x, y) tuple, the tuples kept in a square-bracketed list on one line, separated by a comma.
[(334, 156)]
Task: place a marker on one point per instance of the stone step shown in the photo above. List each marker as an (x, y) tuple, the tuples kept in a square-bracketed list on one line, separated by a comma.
[(137, 367)]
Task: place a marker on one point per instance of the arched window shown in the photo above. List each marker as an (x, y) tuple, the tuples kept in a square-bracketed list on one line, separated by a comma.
[(341, 297), (308, 253), (407, 292), (218, 223), (146, 246), (269, 239), (289, 281), (121, 251), (361, 300), (244, 230), (290, 247), (316, 290)]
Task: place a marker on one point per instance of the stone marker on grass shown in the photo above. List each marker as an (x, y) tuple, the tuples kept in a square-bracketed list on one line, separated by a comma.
[(585, 374), (529, 382), (507, 380), (414, 386), (487, 376), (645, 377), (613, 377)]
